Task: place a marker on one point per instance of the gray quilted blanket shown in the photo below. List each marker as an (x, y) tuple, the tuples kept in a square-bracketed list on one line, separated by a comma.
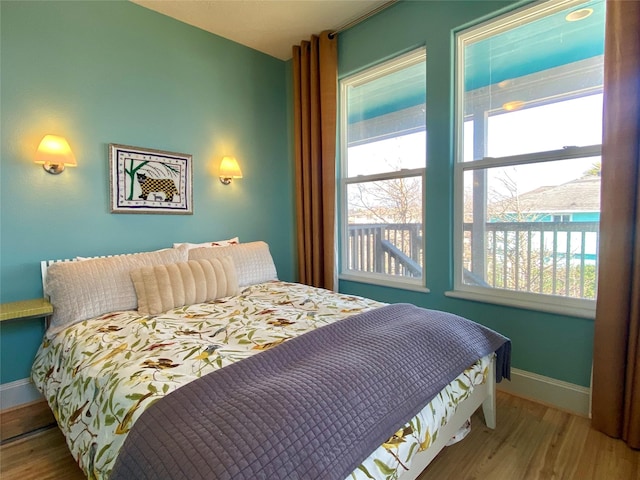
[(313, 407)]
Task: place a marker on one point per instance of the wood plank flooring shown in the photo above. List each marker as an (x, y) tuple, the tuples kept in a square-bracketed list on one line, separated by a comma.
[(25, 418), (531, 442), (534, 442)]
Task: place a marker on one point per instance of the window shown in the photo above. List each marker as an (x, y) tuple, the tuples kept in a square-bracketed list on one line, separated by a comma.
[(383, 159), (528, 142)]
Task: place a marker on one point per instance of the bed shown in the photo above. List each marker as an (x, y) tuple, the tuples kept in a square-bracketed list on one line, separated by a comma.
[(129, 332)]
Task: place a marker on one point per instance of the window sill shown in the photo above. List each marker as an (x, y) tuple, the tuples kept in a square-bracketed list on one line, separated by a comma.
[(588, 312), (384, 283)]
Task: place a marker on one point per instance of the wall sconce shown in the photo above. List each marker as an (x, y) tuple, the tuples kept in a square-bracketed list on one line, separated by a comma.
[(229, 169), (54, 153)]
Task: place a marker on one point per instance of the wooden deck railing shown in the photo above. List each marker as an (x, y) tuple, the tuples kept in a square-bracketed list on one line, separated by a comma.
[(394, 249), (557, 258)]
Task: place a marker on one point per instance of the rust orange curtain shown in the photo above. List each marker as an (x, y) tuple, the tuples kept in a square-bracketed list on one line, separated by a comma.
[(616, 362), (315, 85)]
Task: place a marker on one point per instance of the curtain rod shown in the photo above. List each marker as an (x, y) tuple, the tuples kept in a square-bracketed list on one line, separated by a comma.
[(362, 18)]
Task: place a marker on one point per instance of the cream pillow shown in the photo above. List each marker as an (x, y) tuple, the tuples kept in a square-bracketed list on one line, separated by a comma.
[(253, 261), (162, 287), (108, 256), (85, 289), (216, 243)]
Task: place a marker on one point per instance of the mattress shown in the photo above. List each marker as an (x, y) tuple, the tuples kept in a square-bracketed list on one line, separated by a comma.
[(99, 375)]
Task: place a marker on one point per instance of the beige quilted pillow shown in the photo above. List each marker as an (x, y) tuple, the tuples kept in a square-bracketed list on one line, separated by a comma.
[(252, 260), (84, 289), (163, 287)]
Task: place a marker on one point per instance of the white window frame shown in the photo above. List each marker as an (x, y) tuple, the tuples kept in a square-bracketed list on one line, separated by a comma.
[(533, 301), (398, 63)]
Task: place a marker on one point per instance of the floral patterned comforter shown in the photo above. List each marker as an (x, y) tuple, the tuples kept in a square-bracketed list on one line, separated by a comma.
[(99, 375)]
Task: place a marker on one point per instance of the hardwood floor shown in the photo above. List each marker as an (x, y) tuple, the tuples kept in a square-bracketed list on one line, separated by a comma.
[(25, 418), (43, 455), (534, 442), (531, 442)]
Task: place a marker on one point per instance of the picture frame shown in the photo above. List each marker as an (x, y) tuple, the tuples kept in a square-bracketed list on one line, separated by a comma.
[(144, 180)]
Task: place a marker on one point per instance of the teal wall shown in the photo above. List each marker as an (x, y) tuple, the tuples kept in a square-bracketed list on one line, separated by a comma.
[(113, 72), (552, 345)]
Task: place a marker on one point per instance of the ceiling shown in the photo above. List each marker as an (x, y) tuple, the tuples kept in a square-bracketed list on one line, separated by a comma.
[(269, 26)]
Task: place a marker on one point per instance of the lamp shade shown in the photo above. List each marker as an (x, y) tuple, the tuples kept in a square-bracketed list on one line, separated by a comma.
[(229, 168), (55, 150)]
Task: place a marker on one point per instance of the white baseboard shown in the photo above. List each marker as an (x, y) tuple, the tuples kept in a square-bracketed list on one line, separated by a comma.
[(17, 393), (563, 395)]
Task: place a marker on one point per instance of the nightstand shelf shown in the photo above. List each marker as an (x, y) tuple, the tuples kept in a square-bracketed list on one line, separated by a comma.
[(37, 307)]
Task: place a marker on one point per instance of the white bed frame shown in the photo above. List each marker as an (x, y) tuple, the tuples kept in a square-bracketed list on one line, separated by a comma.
[(483, 395)]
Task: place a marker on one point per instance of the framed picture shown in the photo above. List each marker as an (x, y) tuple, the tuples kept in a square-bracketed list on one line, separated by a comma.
[(143, 180)]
